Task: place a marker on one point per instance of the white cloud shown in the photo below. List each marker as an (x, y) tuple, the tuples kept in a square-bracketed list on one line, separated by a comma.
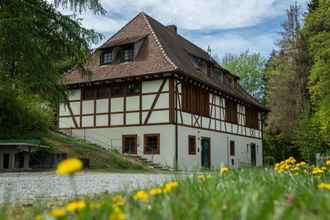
[(188, 14), (235, 43)]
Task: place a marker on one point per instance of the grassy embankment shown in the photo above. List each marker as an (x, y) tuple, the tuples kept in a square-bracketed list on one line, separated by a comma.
[(236, 194), (100, 159)]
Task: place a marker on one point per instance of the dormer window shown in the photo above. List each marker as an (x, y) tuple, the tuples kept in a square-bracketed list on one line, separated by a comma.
[(106, 57), (198, 62), (127, 53)]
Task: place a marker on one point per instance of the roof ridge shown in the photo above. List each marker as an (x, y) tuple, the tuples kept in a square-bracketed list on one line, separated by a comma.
[(115, 34), (168, 59)]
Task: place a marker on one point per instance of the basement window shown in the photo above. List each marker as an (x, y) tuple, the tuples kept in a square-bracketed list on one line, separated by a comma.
[(152, 144), (192, 144)]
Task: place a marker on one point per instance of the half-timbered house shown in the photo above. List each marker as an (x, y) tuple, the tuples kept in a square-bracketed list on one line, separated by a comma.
[(150, 92)]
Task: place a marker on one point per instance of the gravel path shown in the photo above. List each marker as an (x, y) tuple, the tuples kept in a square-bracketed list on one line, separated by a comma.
[(24, 187)]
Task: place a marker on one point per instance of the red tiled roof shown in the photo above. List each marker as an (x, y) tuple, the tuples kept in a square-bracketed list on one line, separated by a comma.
[(162, 51)]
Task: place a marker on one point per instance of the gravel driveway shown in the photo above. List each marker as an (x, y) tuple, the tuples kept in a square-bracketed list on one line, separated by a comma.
[(24, 187)]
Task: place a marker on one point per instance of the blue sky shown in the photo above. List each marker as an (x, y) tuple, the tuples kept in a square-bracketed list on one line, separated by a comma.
[(227, 26)]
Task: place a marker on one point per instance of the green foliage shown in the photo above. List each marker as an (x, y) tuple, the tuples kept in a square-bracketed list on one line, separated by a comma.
[(239, 194), (250, 67), (37, 46), (22, 115), (81, 5), (317, 32), (307, 137)]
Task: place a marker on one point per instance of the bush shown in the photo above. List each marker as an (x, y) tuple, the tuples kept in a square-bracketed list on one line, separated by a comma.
[(22, 114)]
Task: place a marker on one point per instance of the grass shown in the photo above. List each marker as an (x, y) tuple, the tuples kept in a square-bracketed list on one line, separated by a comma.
[(100, 159), (237, 194)]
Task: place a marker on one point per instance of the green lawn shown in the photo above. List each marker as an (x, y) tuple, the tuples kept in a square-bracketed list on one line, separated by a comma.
[(237, 194)]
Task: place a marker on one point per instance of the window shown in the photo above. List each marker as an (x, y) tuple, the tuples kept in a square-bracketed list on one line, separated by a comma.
[(118, 90), (231, 111), (252, 118), (151, 144), (198, 62), (88, 93), (102, 92), (232, 148), (192, 144), (106, 57), (195, 100), (133, 88), (127, 53), (130, 144)]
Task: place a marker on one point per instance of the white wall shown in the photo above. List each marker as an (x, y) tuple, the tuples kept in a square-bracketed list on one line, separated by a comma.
[(219, 148), (112, 137)]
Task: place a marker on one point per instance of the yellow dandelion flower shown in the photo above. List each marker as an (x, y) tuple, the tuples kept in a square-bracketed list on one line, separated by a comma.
[(317, 170), (301, 164), (224, 170), (324, 186), (69, 166), (76, 206), (38, 217), (201, 177), (327, 162), (57, 213), (170, 186), (155, 191), (117, 214), (118, 200), (141, 196)]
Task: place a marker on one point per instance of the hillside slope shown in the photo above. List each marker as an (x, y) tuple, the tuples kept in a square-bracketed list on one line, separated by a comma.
[(100, 159)]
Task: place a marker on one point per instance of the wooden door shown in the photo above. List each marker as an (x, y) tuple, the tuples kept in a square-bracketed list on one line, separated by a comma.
[(206, 152), (253, 154)]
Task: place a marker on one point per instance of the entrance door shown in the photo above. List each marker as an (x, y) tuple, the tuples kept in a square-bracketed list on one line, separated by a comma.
[(253, 154), (6, 161), (130, 144), (206, 152)]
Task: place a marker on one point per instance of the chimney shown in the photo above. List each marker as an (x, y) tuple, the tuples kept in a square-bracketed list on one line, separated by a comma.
[(172, 28)]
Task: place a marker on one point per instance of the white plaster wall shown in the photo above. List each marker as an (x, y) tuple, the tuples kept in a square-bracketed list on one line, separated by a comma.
[(67, 122), (117, 104), (102, 120), (153, 86), (74, 94), (147, 101), (163, 101), (102, 105), (87, 121), (88, 107), (64, 110), (219, 148), (117, 119), (132, 118), (112, 137), (159, 117), (132, 103)]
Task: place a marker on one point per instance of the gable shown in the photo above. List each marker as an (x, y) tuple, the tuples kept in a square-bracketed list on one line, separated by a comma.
[(150, 58)]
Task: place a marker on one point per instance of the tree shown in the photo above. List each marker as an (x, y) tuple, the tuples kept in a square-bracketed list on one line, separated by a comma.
[(250, 67), (37, 46), (317, 31), (287, 79)]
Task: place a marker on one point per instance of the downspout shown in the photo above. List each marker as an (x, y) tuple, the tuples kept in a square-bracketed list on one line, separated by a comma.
[(175, 93)]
